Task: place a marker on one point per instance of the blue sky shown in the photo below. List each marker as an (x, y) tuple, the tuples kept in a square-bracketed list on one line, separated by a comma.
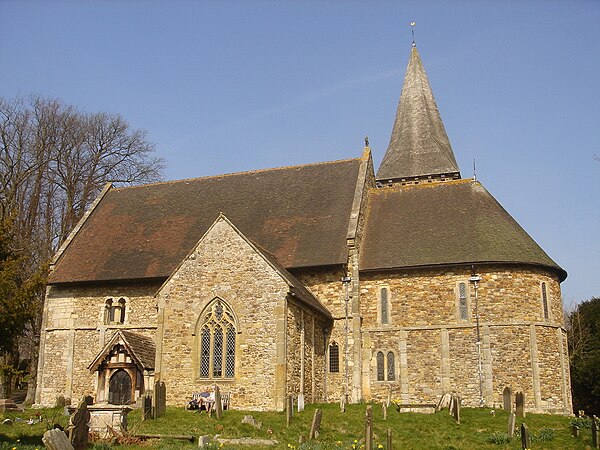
[(239, 85)]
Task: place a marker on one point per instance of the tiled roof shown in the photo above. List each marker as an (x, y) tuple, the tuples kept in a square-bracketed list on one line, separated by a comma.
[(454, 222), (419, 145), (299, 214)]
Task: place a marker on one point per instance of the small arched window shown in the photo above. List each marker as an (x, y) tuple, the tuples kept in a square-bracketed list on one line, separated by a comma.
[(380, 367), (463, 310), (385, 305), (391, 368), (217, 341), (334, 357), (545, 301)]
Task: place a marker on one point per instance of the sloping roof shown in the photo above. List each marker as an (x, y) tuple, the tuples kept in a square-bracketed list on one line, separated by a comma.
[(140, 348), (299, 214), (444, 223), (419, 145)]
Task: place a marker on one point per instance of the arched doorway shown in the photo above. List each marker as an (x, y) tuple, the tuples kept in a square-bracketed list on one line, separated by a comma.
[(119, 390)]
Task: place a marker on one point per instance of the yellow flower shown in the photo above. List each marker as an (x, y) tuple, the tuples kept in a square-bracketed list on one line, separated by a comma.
[(379, 446)]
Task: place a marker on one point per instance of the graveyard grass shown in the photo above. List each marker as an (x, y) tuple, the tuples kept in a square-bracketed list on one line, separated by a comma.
[(479, 428)]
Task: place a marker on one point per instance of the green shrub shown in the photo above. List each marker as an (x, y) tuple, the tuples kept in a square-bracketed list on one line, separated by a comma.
[(499, 438)]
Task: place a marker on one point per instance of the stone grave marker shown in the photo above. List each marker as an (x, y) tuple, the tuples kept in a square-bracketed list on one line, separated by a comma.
[(575, 431), (595, 433), (218, 403), (79, 431), (384, 410), (300, 402), (444, 402), (511, 424), (389, 439), (520, 404), (147, 407), (250, 420), (159, 403), (289, 410), (56, 439), (451, 404), (507, 399), (525, 439), (204, 441), (315, 428), (456, 409), (343, 404), (369, 428)]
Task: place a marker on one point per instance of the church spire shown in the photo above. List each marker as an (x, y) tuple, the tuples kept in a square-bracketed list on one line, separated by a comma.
[(419, 149)]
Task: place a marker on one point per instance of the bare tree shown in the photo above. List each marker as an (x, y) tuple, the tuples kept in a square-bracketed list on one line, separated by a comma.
[(54, 161)]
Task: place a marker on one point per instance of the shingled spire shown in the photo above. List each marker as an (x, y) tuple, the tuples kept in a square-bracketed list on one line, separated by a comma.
[(419, 149)]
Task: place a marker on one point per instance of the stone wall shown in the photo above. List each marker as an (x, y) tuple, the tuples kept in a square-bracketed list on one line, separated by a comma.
[(436, 351), (74, 333), (268, 343)]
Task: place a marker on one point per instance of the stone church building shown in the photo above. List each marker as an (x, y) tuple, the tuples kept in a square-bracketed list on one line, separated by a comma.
[(329, 280)]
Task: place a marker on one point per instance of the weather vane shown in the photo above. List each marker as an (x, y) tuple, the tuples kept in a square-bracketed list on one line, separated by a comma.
[(412, 29)]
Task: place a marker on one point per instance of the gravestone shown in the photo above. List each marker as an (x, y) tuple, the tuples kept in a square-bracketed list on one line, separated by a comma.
[(595, 433), (511, 424), (520, 404), (315, 428), (300, 402), (56, 439), (384, 410), (147, 407), (250, 420), (204, 441), (289, 410), (218, 403), (507, 399), (444, 402), (343, 404), (451, 404), (159, 404), (389, 439), (369, 428), (575, 431), (525, 439), (79, 431), (456, 409)]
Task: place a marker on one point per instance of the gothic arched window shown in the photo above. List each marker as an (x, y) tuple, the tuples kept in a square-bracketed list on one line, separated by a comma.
[(217, 341), (391, 368)]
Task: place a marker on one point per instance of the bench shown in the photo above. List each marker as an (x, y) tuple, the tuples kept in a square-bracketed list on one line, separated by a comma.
[(205, 404)]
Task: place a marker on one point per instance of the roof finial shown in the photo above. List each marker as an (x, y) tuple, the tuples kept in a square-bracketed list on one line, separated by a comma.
[(366, 141), (412, 29)]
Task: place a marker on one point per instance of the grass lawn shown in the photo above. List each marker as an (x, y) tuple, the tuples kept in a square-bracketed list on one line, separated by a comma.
[(479, 429)]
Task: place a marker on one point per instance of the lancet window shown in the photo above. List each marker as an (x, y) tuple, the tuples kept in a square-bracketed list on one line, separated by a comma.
[(334, 357), (545, 301), (463, 306), (217, 341), (386, 366), (385, 305)]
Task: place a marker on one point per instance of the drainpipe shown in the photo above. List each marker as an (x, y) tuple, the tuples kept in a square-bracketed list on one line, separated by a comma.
[(346, 282), (475, 279)]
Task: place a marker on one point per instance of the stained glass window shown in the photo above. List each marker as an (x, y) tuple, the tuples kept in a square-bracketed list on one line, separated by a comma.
[(391, 368), (545, 301)]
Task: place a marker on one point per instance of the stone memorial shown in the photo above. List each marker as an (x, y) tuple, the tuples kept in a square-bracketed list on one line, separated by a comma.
[(520, 404), (56, 439), (300, 402), (218, 403), (511, 424), (507, 399), (369, 428), (79, 429), (525, 439), (315, 428)]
